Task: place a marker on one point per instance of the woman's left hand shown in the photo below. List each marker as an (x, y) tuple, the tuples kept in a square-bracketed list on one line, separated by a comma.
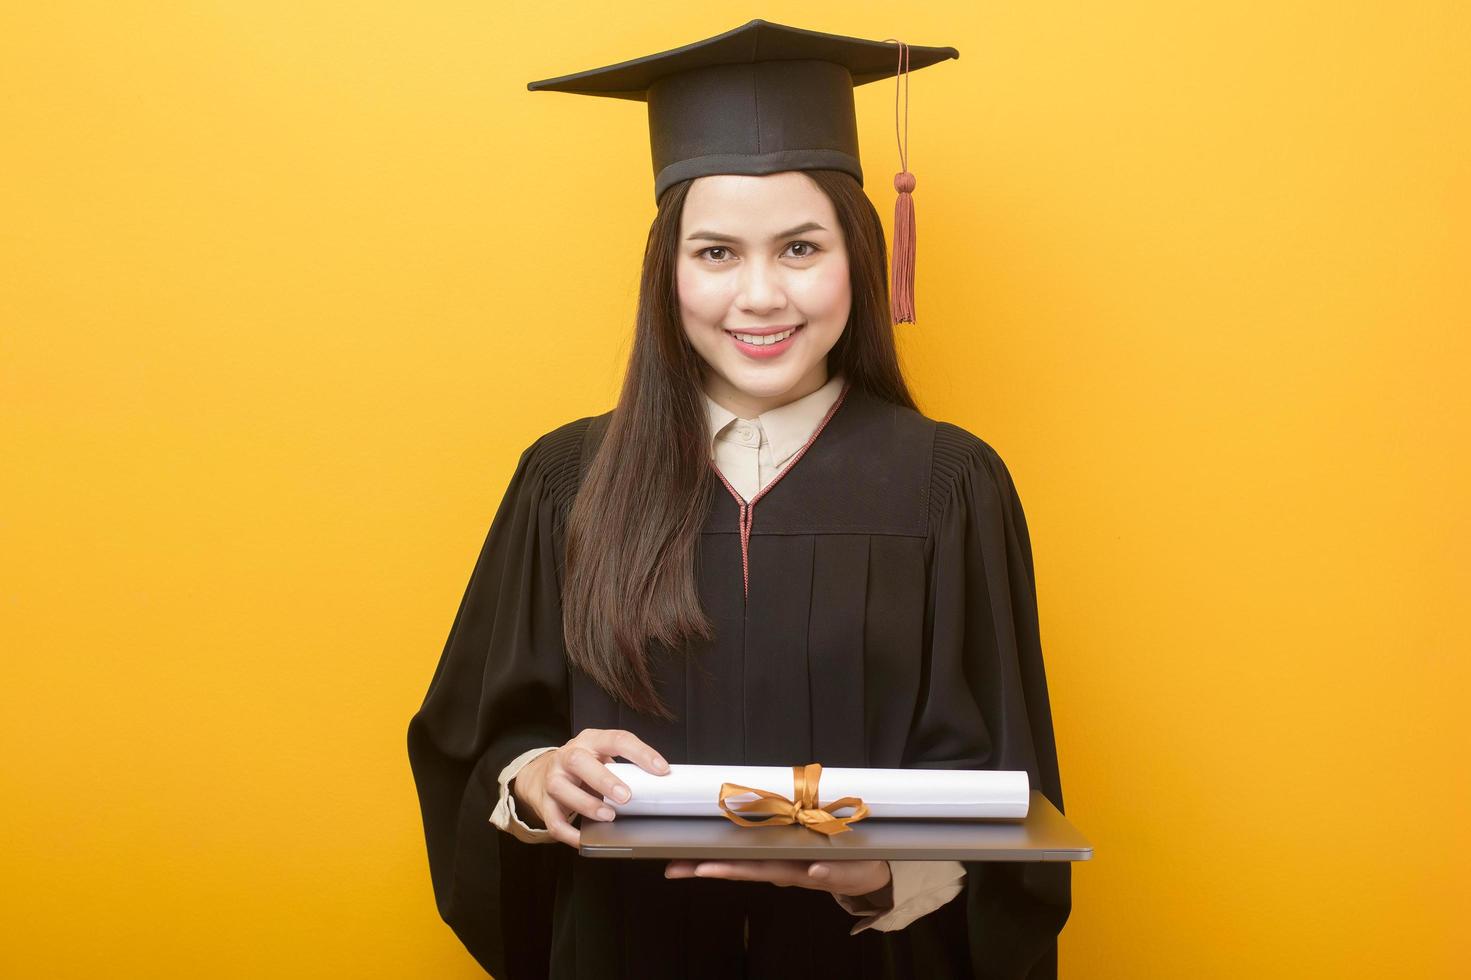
[(838, 877)]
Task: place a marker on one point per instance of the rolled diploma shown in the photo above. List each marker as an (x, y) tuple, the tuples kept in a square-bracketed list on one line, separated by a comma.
[(693, 790)]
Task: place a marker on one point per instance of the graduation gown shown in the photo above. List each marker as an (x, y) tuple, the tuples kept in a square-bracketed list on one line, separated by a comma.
[(891, 621)]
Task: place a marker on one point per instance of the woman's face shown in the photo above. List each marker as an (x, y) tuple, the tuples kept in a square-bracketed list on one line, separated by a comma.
[(762, 259)]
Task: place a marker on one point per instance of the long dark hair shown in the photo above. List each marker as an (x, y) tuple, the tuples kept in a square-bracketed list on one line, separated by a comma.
[(635, 525)]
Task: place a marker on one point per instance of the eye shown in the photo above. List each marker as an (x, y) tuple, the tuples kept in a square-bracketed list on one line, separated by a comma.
[(709, 253), (811, 250)]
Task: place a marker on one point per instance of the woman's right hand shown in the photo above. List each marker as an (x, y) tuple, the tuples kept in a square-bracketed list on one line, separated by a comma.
[(573, 779)]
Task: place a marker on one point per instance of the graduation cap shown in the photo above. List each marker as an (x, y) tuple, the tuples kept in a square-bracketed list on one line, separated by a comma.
[(764, 98)]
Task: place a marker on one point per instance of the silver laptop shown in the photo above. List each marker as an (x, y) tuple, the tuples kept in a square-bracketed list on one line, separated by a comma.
[(1043, 835)]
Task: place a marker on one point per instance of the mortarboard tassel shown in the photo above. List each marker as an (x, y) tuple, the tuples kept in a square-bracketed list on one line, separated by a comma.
[(901, 298)]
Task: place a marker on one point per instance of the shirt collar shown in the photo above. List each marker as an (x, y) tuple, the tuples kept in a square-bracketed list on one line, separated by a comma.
[(787, 427)]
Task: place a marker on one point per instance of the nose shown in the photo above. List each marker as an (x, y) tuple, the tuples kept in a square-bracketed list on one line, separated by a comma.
[(761, 289)]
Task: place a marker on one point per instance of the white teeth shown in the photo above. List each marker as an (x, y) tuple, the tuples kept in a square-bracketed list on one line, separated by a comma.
[(756, 341)]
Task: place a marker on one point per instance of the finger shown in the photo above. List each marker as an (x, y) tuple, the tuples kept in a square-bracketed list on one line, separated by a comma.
[(586, 767), (618, 742), (560, 829), (680, 869), (847, 877), (561, 789), (599, 741), (776, 872)]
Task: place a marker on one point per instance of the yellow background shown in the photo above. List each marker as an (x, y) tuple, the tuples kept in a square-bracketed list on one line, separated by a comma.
[(285, 288)]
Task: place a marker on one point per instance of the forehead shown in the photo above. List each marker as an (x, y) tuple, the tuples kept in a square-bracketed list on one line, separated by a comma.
[(751, 206)]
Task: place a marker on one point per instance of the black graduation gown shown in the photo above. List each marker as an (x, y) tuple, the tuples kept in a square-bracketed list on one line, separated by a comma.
[(891, 622)]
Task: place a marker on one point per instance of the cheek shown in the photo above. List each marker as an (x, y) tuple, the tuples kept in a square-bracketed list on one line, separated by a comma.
[(827, 294), (701, 297)]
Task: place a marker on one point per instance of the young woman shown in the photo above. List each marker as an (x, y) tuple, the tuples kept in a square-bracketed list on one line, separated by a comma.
[(764, 555)]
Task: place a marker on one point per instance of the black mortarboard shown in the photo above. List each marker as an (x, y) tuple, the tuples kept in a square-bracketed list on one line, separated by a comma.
[(759, 99)]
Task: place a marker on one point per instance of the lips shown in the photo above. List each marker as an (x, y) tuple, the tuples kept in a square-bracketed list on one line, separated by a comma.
[(763, 349)]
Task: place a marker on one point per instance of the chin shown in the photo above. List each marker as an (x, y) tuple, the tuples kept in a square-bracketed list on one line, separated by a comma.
[(767, 382)]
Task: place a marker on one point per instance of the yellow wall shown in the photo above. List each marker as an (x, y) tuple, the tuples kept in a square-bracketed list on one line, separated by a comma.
[(285, 288)]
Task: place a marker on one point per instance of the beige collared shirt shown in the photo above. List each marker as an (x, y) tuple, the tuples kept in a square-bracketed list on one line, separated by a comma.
[(750, 453)]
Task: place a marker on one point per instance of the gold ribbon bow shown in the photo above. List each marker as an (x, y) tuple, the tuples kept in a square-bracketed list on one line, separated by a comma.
[(802, 808)]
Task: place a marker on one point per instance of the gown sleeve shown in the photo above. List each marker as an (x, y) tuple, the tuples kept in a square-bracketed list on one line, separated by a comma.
[(500, 689), (984, 702)]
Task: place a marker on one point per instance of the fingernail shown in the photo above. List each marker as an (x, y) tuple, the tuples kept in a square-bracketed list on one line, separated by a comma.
[(818, 871), (659, 762), (620, 793), (605, 814)]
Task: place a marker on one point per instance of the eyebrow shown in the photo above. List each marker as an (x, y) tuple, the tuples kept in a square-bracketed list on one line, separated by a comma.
[(715, 236)]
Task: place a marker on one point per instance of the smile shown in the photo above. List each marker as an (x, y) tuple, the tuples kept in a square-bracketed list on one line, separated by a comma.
[(765, 343)]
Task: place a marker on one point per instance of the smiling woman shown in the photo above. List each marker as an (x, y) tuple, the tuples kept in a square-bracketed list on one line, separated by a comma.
[(626, 528), (630, 601)]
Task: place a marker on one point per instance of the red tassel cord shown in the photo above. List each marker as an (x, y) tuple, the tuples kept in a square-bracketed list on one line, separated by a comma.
[(901, 292)]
